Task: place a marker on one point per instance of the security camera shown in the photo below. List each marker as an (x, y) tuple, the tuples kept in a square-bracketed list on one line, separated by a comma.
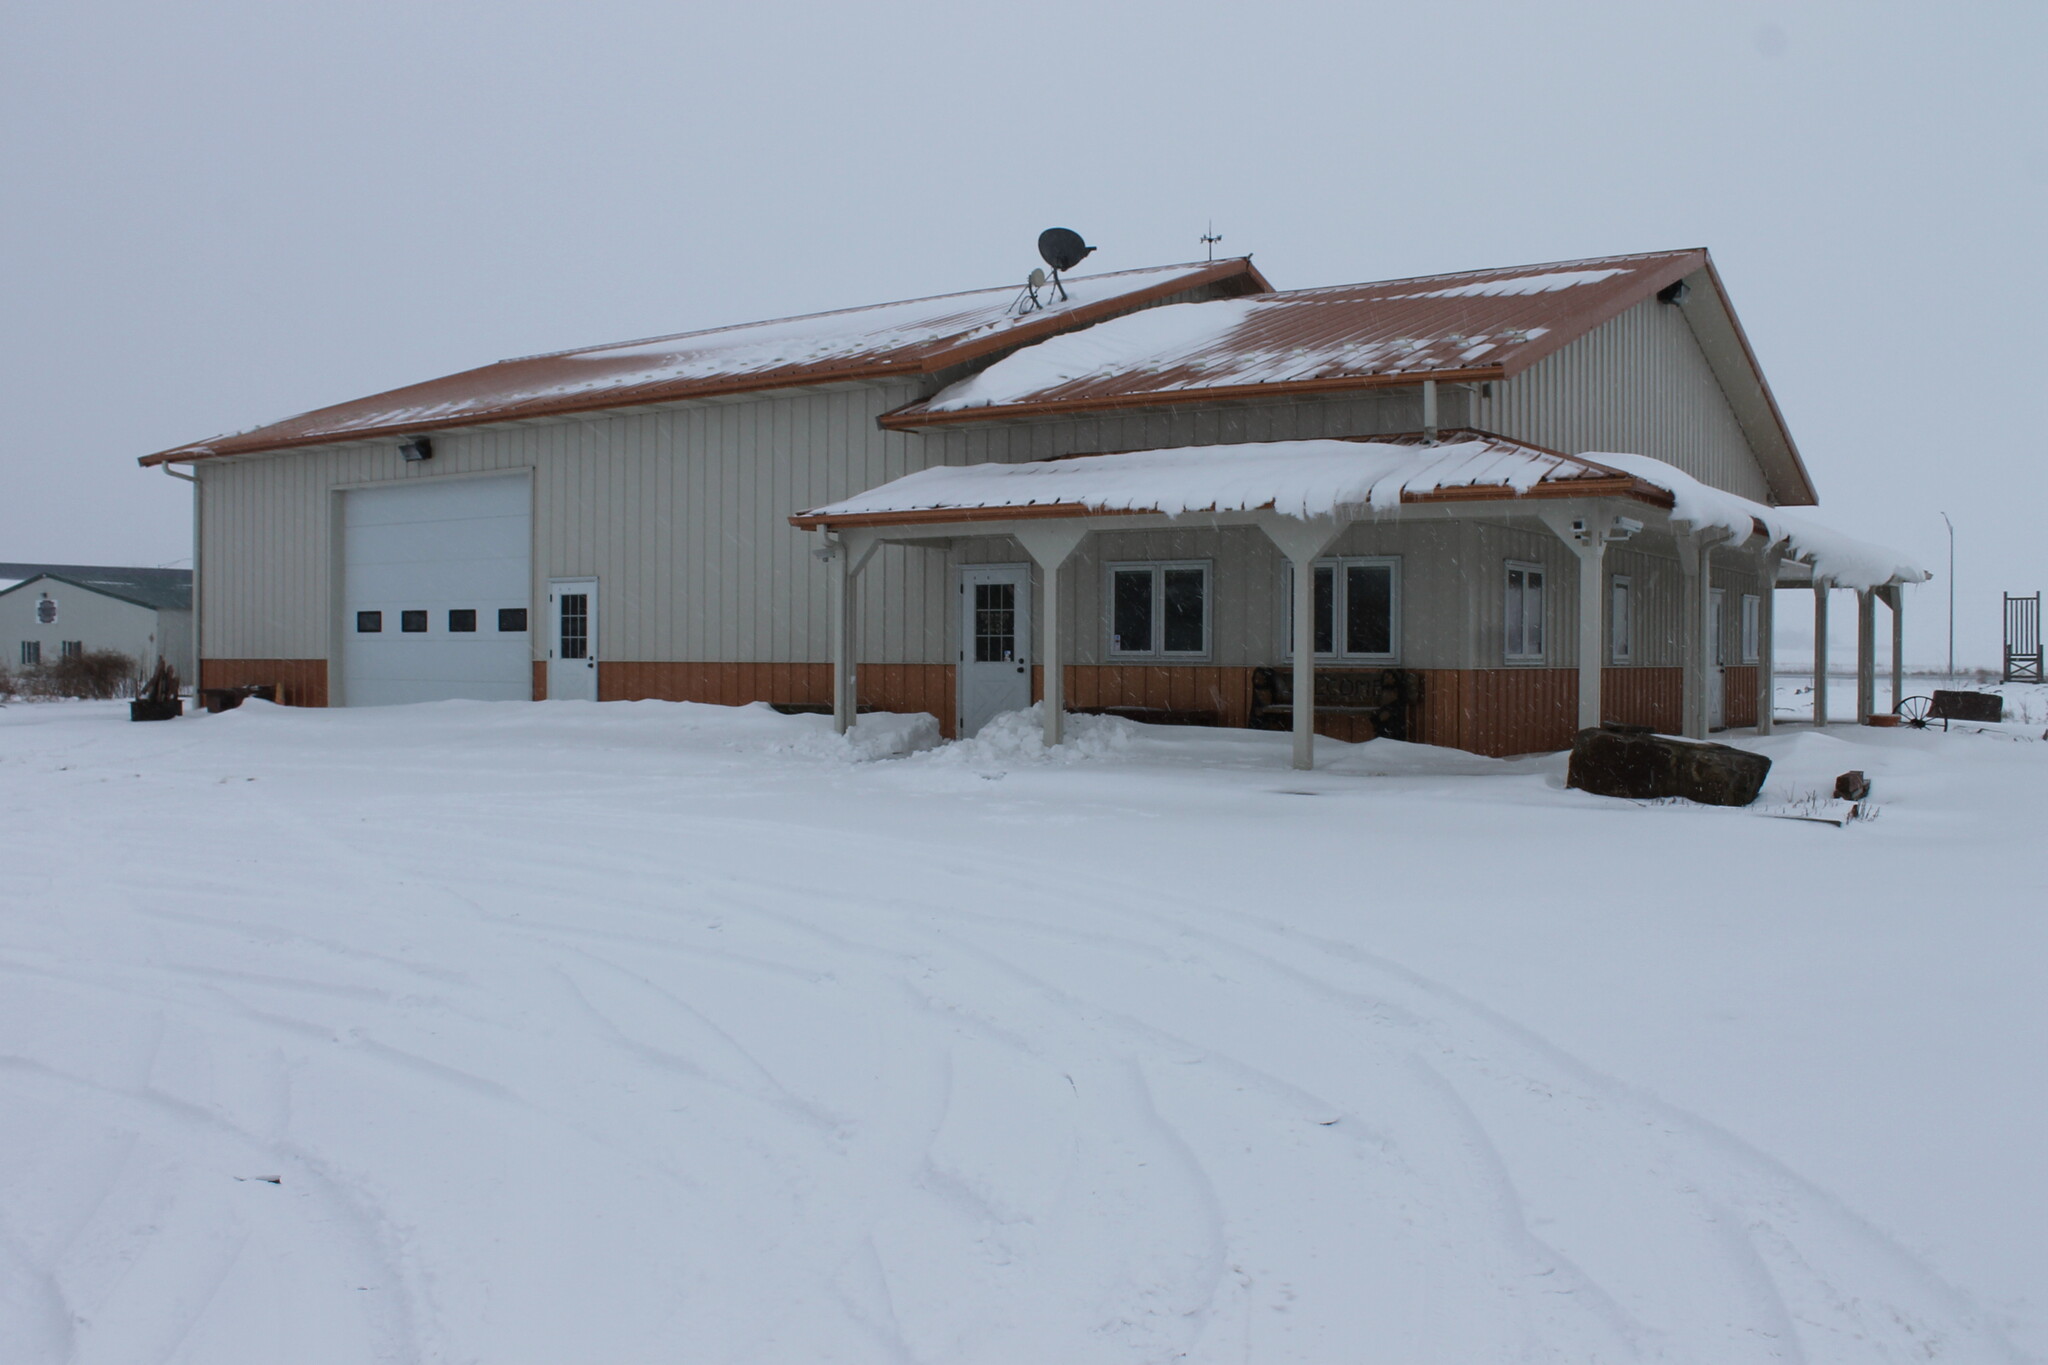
[(1623, 528)]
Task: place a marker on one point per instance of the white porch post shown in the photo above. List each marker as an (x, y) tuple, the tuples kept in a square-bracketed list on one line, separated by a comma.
[(1767, 642), (1895, 598), (1050, 545), (850, 553), (1820, 651), (1303, 542), (1866, 654), (1586, 535), (1695, 563)]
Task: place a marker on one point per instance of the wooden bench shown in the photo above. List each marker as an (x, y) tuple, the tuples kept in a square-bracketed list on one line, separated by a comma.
[(1384, 699)]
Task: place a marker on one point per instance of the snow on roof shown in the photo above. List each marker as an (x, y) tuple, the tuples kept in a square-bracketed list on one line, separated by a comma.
[(1844, 560), (1485, 323), (913, 337), (1298, 478), (1320, 478)]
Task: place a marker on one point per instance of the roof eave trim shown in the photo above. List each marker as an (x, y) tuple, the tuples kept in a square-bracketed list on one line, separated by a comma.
[(1620, 485), (910, 418), (1806, 485)]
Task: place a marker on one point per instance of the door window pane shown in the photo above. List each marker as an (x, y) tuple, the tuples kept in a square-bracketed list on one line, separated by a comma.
[(369, 622), (575, 641), (1368, 609), (462, 620), (995, 622), (1186, 612), (412, 622), (1130, 630)]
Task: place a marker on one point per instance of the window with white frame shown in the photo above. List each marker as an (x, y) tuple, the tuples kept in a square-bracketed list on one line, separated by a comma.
[(70, 649), (1357, 609), (1620, 621), (31, 653), (1159, 611), (1524, 612), (1752, 621)]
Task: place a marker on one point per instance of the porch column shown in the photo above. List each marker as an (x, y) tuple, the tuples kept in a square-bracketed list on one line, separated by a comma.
[(1303, 542), (1820, 651), (1586, 535), (1866, 654), (1895, 598), (1695, 563), (849, 553), (1050, 545), (1767, 642)]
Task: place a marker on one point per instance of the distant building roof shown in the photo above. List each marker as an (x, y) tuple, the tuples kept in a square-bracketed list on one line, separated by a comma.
[(157, 589), (915, 337)]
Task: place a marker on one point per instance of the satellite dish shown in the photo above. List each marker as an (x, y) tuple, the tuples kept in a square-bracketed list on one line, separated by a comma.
[(1062, 248), (1036, 279)]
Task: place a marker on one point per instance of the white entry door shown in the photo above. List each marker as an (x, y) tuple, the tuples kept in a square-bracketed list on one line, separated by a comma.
[(995, 643), (572, 639), (1717, 654)]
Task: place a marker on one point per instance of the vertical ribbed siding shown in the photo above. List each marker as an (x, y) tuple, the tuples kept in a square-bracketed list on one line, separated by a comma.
[(1639, 384)]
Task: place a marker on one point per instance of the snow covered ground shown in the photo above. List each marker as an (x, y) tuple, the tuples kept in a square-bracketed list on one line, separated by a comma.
[(645, 1032)]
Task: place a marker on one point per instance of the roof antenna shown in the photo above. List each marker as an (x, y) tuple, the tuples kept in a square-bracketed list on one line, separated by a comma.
[(1211, 238)]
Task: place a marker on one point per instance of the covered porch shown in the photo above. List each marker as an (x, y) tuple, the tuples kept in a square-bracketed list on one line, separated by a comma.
[(1300, 499)]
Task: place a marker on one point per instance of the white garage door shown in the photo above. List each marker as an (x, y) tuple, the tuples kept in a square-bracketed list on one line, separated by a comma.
[(436, 592)]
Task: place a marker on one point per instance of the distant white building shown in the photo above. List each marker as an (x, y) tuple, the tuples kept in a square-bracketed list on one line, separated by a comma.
[(50, 610)]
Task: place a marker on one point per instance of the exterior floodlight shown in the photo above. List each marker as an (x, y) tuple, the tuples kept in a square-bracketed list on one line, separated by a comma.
[(1676, 292), (417, 449)]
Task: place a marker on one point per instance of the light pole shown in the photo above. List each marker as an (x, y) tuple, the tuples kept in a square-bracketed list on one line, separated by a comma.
[(1951, 597)]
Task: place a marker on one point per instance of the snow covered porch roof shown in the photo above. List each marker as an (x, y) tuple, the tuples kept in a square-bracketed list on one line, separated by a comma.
[(1340, 479)]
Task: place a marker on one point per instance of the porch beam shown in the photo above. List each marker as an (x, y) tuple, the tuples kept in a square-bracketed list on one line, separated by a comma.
[(1584, 532), (1695, 563), (1895, 598), (1820, 651), (1303, 543), (1866, 655), (1050, 544), (1767, 642), (849, 553)]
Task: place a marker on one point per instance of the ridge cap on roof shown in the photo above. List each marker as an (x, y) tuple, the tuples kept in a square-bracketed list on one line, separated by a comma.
[(1489, 271), (603, 346)]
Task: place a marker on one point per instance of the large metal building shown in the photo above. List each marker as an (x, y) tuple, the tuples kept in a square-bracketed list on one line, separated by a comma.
[(656, 519)]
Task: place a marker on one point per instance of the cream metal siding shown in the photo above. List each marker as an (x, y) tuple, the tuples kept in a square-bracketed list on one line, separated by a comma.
[(682, 514), (1640, 384)]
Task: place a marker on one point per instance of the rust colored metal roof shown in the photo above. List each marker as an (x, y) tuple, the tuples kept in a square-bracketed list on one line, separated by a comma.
[(919, 336), (1474, 325), (1296, 477)]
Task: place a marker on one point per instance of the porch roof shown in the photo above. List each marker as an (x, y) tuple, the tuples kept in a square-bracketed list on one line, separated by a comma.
[(1345, 479)]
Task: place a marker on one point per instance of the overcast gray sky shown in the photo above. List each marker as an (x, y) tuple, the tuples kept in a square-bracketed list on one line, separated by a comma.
[(218, 214)]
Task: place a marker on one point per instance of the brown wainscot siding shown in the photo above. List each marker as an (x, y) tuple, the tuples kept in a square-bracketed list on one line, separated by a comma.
[(299, 682), (1225, 693), (540, 680), (1644, 696), (1738, 695)]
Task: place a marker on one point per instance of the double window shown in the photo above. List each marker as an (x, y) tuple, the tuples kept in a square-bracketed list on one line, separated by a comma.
[(71, 649), (1523, 613), (1357, 609), (31, 653), (1159, 611)]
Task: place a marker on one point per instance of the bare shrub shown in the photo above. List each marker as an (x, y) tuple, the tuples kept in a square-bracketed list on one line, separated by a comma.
[(94, 675)]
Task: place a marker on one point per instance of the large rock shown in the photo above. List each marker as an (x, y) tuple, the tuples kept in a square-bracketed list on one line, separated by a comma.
[(1635, 762)]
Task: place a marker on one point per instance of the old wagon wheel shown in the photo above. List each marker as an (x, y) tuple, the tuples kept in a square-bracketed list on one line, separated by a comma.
[(1913, 711)]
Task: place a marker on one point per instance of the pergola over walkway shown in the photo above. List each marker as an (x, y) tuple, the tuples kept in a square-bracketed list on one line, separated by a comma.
[(1304, 494)]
